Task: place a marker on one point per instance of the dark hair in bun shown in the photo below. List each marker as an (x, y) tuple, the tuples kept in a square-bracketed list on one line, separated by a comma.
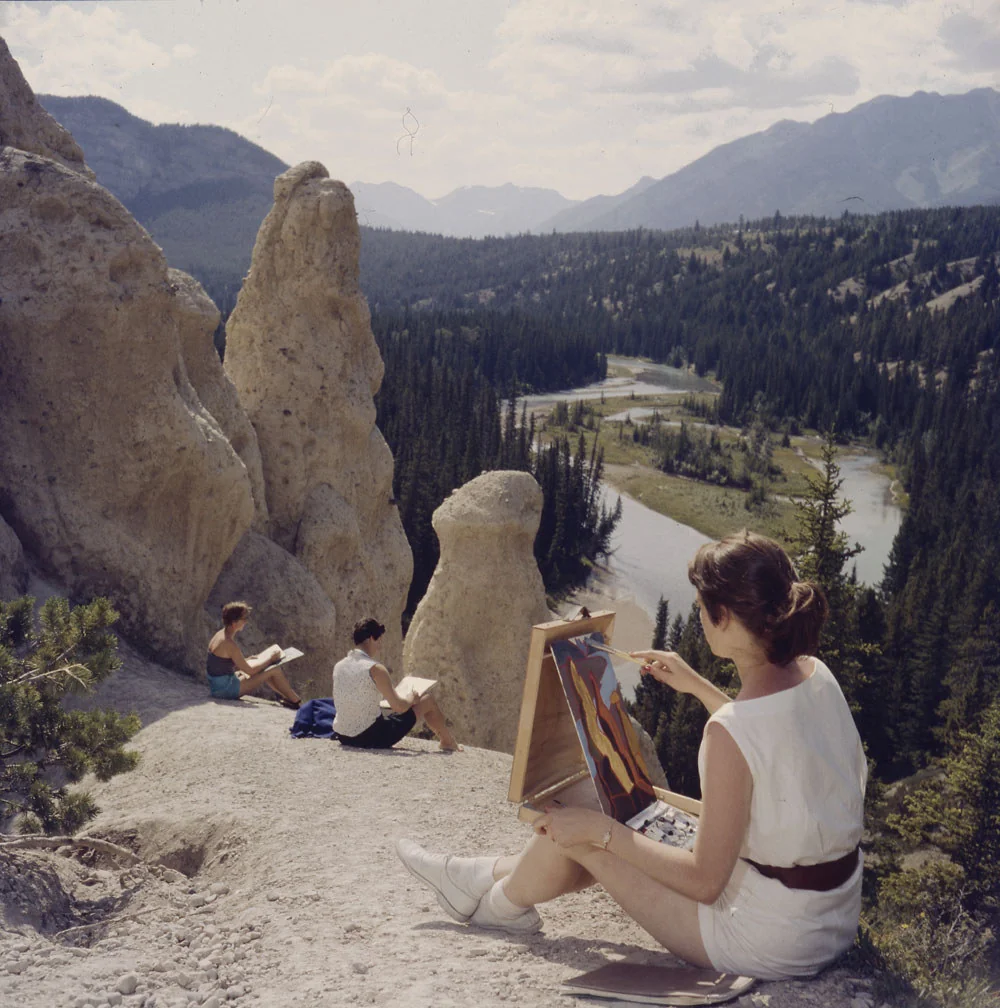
[(752, 577)]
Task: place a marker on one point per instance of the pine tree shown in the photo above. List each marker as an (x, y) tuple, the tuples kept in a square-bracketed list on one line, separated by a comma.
[(662, 622), (676, 633), (681, 739), (821, 552), (43, 746), (973, 680), (653, 700)]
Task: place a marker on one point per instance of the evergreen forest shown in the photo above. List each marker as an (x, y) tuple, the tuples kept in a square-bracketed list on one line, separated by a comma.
[(881, 329), (447, 407)]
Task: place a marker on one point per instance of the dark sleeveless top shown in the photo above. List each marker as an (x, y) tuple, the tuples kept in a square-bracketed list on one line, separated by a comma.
[(216, 665)]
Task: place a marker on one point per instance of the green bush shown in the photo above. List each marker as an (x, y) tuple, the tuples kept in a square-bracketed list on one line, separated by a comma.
[(935, 924), (925, 931), (43, 746)]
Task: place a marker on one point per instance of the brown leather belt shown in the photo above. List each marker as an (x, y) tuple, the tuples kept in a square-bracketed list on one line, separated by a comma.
[(818, 877)]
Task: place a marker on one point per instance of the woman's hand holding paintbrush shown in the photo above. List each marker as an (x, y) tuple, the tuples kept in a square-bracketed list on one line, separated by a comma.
[(670, 668)]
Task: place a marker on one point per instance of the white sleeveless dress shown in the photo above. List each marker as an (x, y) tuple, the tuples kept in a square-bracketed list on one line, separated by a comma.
[(809, 774), (355, 697)]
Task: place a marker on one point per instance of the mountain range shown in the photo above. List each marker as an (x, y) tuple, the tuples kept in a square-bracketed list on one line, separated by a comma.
[(468, 212), (202, 191), (926, 150)]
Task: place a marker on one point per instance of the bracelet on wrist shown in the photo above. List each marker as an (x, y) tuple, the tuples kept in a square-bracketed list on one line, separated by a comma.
[(606, 839)]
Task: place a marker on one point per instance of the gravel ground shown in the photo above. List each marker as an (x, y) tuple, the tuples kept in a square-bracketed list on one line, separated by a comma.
[(278, 885)]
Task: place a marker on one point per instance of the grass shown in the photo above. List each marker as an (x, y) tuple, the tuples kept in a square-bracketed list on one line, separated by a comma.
[(712, 510), (795, 467), (619, 371)]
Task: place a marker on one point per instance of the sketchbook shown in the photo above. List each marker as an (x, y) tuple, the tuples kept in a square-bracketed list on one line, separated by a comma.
[(663, 985), (610, 746), (287, 655), (411, 684)]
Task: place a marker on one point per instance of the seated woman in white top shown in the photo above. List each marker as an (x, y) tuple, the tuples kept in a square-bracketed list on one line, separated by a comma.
[(360, 683), (772, 887)]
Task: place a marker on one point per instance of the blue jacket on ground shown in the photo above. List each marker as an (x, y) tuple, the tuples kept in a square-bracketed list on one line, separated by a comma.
[(314, 719)]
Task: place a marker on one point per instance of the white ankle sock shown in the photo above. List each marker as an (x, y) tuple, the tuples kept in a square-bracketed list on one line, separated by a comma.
[(476, 873), (501, 905)]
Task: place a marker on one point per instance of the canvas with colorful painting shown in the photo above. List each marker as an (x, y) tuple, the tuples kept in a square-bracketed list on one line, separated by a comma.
[(610, 745)]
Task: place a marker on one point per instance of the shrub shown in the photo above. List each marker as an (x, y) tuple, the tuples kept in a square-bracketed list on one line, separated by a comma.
[(43, 746)]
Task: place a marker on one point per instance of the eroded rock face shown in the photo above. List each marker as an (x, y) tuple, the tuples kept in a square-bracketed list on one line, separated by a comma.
[(115, 477), (472, 628), (300, 351), (199, 319), (290, 607), (24, 124), (13, 569)]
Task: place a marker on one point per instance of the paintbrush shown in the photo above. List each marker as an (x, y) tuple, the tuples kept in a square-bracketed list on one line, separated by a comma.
[(620, 654)]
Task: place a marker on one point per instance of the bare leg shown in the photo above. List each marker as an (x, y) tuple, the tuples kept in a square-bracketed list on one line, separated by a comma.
[(544, 870), (274, 678), (434, 719), (540, 873)]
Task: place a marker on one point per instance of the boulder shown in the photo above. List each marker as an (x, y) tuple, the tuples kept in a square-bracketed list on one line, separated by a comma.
[(289, 607), (198, 321), (24, 124), (300, 351), (115, 477), (472, 627), (13, 569)]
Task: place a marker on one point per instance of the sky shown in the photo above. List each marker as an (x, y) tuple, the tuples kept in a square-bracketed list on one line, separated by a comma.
[(582, 96)]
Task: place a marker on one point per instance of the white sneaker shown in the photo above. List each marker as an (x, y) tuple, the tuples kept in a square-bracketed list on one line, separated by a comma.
[(457, 900), (486, 917)]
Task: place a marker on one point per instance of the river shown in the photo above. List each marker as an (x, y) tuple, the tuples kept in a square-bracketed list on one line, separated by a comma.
[(646, 379), (651, 551)]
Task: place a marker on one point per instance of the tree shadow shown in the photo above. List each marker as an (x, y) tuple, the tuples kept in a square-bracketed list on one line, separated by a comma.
[(153, 691), (396, 751), (564, 950)]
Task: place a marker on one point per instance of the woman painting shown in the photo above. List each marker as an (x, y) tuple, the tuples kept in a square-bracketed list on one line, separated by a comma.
[(231, 675), (772, 887)]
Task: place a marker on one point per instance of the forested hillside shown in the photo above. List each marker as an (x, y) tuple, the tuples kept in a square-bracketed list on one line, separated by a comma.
[(442, 410), (884, 329), (880, 327), (200, 191)]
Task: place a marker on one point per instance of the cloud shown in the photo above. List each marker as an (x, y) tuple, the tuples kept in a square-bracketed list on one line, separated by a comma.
[(974, 40), (758, 54), (593, 43), (324, 112), (579, 95), (711, 82), (66, 50)]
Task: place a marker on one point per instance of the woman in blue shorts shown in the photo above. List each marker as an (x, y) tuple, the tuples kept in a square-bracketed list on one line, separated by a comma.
[(225, 662)]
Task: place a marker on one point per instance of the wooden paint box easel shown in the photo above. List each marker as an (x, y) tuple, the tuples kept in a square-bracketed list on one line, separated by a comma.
[(548, 757)]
